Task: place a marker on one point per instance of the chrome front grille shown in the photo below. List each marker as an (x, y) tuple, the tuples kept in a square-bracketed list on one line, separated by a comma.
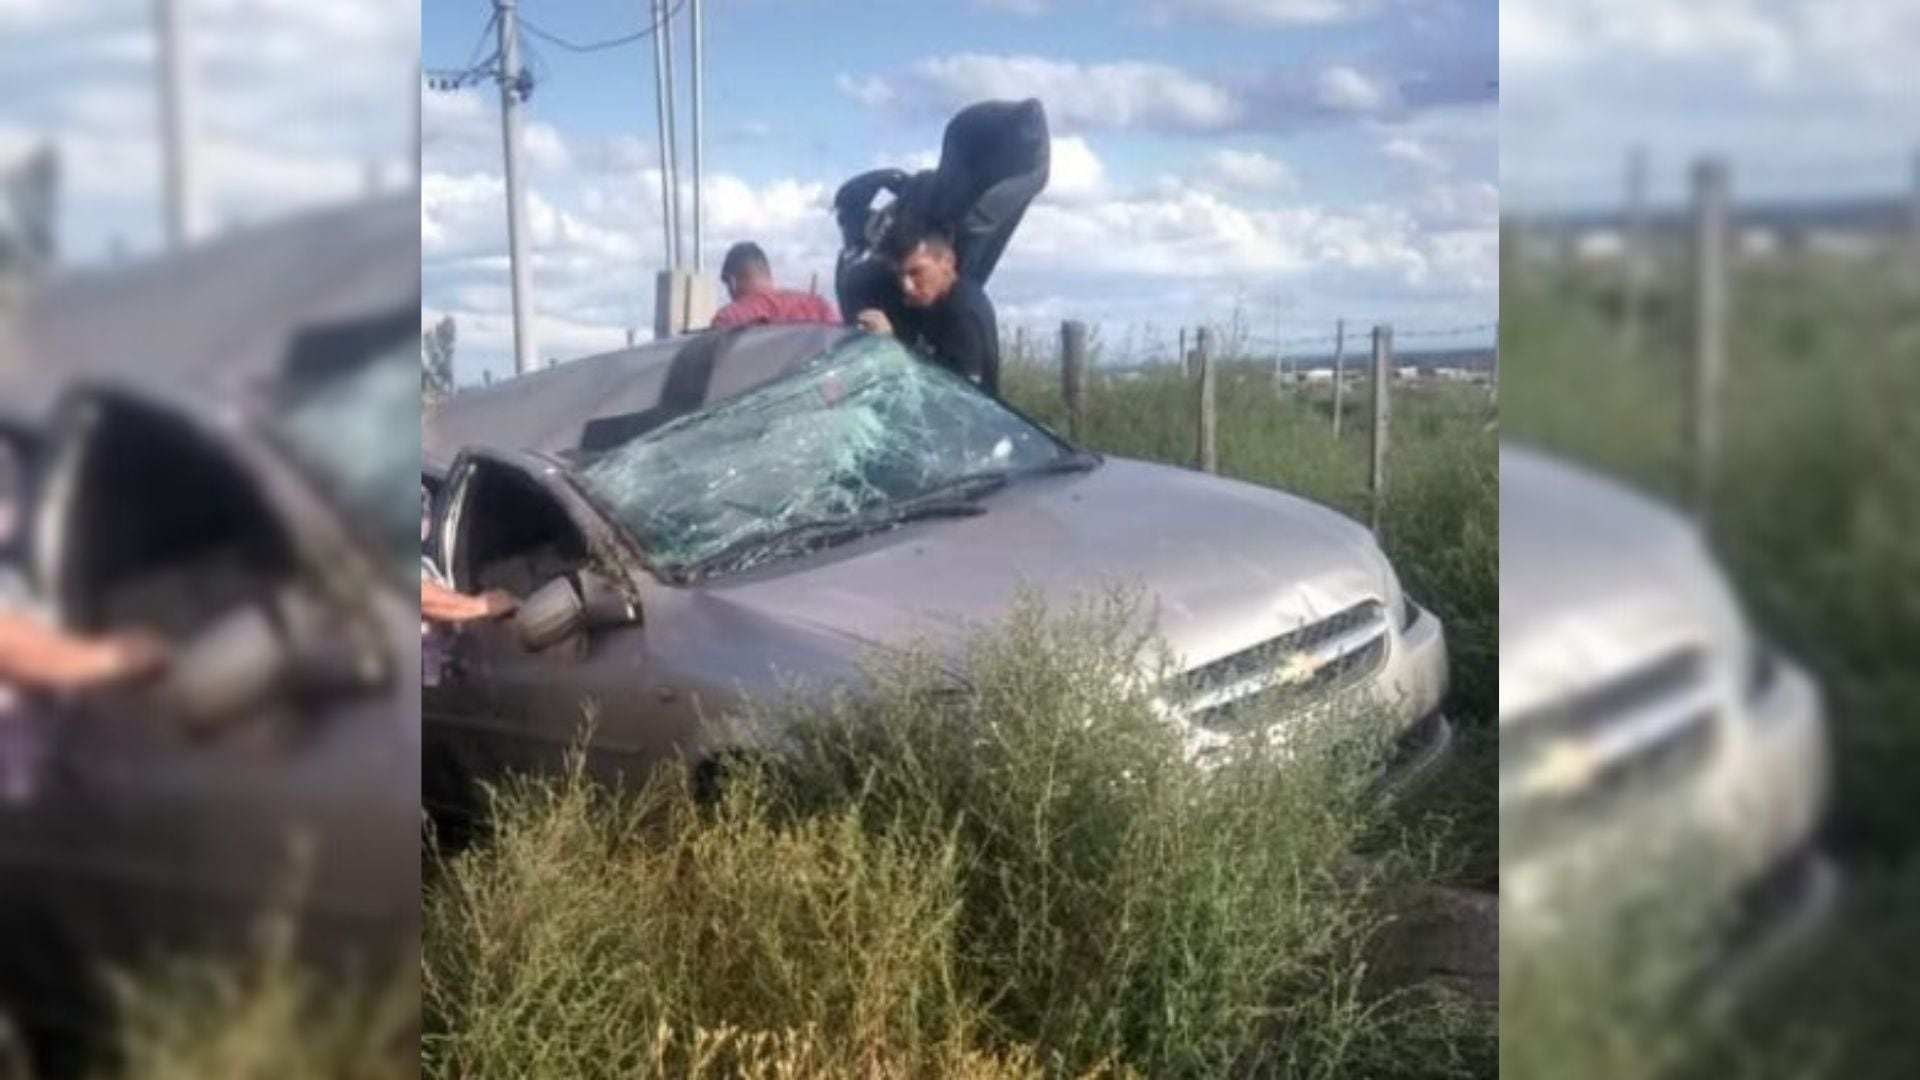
[(1631, 736), (1307, 664)]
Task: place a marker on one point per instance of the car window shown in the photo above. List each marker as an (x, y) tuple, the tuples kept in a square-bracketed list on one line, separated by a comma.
[(360, 433), (861, 426)]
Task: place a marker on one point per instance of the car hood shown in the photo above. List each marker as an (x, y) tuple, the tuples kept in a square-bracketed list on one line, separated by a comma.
[(1222, 564), (1596, 579)]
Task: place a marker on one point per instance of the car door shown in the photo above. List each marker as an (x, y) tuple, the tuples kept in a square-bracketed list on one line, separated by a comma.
[(501, 707)]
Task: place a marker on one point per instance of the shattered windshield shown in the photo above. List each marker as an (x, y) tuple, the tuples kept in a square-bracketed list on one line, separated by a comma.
[(861, 428)]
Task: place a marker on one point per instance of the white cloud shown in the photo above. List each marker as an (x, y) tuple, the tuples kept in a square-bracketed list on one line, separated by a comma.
[(1347, 89), (873, 91), (1025, 8), (1416, 152), (1250, 170), (1473, 205), (295, 104), (1269, 12), (596, 248), (1086, 250), (1078, 96), (1152, 96), (1075, 172), (1864, 44)]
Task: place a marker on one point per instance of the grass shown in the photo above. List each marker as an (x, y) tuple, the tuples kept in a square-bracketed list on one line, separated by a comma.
[(1815, 505), (266, 1017), (1024, 879)]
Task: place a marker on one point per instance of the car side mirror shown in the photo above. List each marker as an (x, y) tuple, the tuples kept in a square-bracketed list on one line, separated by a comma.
[(571, 604), (256, 653)]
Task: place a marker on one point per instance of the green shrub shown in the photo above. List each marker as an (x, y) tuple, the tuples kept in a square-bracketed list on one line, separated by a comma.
[(1025, 875)]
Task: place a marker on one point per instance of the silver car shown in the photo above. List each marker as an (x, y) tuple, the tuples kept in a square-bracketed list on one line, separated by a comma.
[(1645, 728), (717, 517)]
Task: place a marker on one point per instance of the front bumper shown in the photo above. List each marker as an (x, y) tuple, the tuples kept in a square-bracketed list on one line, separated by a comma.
[(1418, 755), (1777, 917)]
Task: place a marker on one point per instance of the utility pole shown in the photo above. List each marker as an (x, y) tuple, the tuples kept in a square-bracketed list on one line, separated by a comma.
[(699, 128), (411, 151), (664, 36), (663, 101), (182, 191), (513, 90)]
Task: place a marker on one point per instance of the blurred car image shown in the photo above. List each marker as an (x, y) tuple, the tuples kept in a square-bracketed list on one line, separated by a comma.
[(1648, 736), (222, 456)]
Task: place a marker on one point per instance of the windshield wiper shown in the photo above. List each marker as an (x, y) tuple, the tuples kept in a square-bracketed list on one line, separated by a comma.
[(955, 497), (1077, 461), (814, 535)]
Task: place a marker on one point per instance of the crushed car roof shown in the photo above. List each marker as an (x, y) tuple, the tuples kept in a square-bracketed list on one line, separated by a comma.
[(600, 401), (223, 316)]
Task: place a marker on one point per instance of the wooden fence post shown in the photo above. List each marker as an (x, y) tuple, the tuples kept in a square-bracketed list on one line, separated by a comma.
[(1382, 419), (1710, 299), (1186, 362), (1913, 218), (1073, 375), (1207, 450), (1493, 378), (1637, 262), (1339, 374)]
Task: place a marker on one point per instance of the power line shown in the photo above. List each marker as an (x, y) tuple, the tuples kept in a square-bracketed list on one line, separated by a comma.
[(610, 43)]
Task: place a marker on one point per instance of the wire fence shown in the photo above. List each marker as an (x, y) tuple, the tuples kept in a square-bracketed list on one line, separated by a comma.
[(1645, 179)]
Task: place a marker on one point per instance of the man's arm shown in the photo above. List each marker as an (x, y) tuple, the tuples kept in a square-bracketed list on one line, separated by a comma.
[(439, 604), (974, 349), (42, 657)]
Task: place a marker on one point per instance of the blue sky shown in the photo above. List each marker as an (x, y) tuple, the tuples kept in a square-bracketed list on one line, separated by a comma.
[(297, 104), (1301, 160), (1802, 97)]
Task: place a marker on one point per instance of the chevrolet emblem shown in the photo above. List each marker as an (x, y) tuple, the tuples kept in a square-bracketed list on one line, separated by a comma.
[(1296, 669), (1564, 769)]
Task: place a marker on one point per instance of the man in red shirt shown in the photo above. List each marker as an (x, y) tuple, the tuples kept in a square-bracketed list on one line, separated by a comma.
[(749, 281)]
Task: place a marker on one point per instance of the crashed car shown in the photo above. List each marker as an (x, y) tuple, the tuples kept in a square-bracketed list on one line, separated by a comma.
[(221, 455), (715, 519), (1646, 728)]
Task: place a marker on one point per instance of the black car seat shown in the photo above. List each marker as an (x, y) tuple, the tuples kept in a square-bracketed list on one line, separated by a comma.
[(994, 161)]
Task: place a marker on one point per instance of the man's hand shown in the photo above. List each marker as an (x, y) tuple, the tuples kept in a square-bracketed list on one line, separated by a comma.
[(133, 654), (495, 603), (40, 656), (875, 321), (439, 604)]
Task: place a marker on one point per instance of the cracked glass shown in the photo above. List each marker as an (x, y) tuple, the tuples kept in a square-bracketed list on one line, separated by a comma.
[(861, 428)]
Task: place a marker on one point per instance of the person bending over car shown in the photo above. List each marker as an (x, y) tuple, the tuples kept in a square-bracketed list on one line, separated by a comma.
[(756, 299), (944, 316)]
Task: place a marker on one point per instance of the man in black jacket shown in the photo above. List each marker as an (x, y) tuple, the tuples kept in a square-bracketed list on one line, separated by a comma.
[(942, 314)]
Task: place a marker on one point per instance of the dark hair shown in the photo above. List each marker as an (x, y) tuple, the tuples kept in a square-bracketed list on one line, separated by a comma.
[(908, 234), (743, 256)]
